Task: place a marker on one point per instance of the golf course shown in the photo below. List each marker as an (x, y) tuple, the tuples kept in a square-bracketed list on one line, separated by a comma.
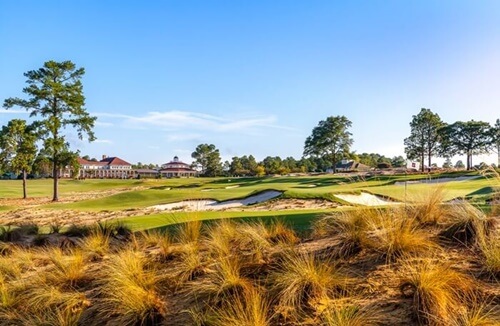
[(298, 199)]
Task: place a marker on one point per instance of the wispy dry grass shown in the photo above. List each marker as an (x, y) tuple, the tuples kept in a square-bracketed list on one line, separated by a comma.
[(477, 315), (394, 235), (68, 268), (344, 312), (301, 280), (428, 208), (96, 244), (246, 309), (439, 292), (280, 233), (131, 287), (490, 252), (226, 280), (466, 224)]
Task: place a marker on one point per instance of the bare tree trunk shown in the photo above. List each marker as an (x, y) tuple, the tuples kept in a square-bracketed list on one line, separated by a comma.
[(422, 160), (55, 176), (429, 165), (25, 194)]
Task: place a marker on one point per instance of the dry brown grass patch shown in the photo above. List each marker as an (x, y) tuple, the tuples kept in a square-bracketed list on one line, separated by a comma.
[(301, 280), (439, 292)]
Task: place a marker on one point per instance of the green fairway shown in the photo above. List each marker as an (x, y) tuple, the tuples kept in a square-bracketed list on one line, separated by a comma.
[(124, 195), (299, 220), (320, 187)]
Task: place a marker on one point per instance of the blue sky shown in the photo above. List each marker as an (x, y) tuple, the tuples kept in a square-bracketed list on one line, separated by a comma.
[(255, 77)]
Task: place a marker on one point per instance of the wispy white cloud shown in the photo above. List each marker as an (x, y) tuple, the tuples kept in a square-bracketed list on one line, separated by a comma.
[(185, 120)]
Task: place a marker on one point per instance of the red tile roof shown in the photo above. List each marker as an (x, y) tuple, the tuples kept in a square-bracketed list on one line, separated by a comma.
[(103, 162), (115, 161)]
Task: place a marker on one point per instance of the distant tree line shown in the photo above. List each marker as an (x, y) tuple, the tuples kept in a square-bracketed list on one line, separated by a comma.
[(431, 137), (55, 101)]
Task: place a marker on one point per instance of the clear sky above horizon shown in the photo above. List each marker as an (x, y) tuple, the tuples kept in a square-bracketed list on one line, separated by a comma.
[(255, 77)]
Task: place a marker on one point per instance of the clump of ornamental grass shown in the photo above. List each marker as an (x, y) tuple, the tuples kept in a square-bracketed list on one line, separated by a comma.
[(226, 280), (191, 264), (280, 233), (439, 292), (189, 232), (160, 241), (52, 306), (68, 268), (466, 224), (301, 280), (253, 242), (349, 228), (481, 314), (246, 309), (342, 312), (336, 223), (490, 255), (10, 295), (96, 244), (9, 268), (394, 235), (131, 288), (222, 238), (429, 208)]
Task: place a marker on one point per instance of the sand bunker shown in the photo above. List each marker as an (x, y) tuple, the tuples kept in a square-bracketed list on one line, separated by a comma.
[(365, 199), (212, 205), (437, 180)]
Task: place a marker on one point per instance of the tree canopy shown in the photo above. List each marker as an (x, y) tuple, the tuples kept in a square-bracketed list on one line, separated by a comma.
[(207, 158), (18, 148), (468, 138), (424, 140), (55, 97), (330, 138)]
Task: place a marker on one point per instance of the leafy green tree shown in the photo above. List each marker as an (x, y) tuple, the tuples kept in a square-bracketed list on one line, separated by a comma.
[(207, 158), (272, 164), (495, 138), (424, 140), (447, 163), (459, 165), (249, 164), (468, 138), (236, 167), (18, 148), (398, 161), (260, 171), (55, 95), (330, 138)]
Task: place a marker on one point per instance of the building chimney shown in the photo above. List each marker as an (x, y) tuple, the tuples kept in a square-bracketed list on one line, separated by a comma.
[(104, 157)]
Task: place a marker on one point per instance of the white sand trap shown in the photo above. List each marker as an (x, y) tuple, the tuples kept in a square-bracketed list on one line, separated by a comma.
[(231, 187), (437, 180), (213, 205), (365, 199)]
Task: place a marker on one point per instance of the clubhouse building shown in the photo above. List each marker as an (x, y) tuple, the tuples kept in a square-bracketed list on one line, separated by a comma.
[(107, 168), (177, 169), (116, 168)]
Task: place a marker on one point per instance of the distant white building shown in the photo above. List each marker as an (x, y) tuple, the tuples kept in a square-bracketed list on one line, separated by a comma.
[(107, 168)]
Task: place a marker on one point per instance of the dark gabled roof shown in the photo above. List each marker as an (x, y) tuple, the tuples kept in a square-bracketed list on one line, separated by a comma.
[(115, 161), (103, 162)]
